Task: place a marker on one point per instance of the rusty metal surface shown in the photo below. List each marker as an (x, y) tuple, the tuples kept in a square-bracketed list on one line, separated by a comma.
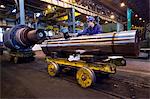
[(118, 43)]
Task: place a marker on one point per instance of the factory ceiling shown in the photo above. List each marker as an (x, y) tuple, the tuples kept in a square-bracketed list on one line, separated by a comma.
[(139, 7)]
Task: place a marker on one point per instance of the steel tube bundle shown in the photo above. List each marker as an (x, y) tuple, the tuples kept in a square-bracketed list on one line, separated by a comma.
[(116, 43), (22, 37)]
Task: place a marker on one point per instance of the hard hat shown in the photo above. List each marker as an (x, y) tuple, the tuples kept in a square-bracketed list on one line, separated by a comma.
[(90, 18)]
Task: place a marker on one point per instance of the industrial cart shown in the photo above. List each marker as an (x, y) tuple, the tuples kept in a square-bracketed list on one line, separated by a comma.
[(85, 74)]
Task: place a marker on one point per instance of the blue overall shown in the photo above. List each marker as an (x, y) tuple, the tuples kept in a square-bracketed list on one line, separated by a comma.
[(91, 31)]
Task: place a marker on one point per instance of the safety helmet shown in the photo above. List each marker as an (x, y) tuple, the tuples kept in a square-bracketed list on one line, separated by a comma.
[(90, 18)]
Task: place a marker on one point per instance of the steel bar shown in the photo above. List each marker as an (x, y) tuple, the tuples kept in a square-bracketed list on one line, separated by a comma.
[(118, 43)]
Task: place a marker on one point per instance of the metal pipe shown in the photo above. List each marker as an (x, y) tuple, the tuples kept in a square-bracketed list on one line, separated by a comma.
[(118, 43)]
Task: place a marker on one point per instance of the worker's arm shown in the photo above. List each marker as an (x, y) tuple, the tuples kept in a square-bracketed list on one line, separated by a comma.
[(96, 30), (85, 31)]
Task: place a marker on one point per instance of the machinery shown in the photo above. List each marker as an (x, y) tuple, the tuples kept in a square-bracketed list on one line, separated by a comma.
[(89, 55), (19, 41)]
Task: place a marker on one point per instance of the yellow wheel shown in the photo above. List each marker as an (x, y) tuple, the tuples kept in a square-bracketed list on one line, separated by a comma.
[(53, 69), (85, 77)]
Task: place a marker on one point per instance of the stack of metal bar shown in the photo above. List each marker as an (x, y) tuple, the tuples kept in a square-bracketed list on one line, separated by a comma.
[(124, 43)]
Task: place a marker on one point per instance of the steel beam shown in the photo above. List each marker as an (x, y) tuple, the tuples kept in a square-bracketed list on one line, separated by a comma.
[(71, 20), (129, 12), (22, 12)]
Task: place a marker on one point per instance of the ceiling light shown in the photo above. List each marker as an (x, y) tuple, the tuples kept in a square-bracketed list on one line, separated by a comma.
[(14, 11), (49, 6), (2, 6), (112, 16), (136, 15), (140, 18), (122, 4), (106, 22), (38, 14)]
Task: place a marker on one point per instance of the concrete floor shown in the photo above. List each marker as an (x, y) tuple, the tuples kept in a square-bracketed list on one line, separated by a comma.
[(29, 80)]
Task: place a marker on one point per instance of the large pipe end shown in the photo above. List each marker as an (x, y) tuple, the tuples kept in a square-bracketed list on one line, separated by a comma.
[(22, 37), (36, 36)]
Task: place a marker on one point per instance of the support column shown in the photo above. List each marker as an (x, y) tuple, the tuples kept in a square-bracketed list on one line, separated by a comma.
[(35, 21), (98, 19), (71, 21), (129, 12), (22, 12), (118, 27), (149, 11)]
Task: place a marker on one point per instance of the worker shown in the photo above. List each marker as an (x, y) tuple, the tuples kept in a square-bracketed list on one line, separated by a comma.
[(93, 27)]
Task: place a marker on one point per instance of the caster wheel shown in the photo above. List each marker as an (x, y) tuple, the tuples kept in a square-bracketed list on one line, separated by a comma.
[(53, 69), (85, 77), (123, 62)]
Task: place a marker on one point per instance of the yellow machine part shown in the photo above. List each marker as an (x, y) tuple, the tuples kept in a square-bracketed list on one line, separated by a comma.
[(52, 69), (103, 67), (49, 27), (85, 77), (66, 17)]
